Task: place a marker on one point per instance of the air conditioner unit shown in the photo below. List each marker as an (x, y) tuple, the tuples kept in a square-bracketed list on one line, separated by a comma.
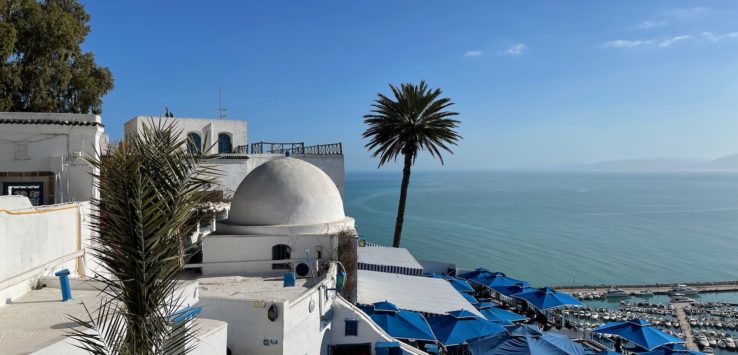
[(303, 268)]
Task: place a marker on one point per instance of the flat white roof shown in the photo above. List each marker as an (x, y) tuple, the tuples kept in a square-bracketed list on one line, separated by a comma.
[(40, 319), (388, 256), (413, 293), (253, 288)]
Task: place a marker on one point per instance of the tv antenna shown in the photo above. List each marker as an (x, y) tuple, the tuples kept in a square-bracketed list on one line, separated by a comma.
[(221, 110)]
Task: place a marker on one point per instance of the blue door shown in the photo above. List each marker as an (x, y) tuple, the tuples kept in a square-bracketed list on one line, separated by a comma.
[(224, 144)]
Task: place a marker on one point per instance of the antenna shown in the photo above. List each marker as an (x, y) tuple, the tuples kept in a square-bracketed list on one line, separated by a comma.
[(221, 110)]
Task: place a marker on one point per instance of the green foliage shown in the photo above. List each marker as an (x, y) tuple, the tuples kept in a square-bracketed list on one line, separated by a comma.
[(413, 121), (42, 67), (149, 188)]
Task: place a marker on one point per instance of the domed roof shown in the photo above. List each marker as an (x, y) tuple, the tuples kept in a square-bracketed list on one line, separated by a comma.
[(286, 191)]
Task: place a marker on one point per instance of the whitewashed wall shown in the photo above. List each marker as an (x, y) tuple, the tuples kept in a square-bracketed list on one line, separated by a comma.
[(252, 255), (39, 241), (303, 326), (248, 325), (59, 149), (207, 128)]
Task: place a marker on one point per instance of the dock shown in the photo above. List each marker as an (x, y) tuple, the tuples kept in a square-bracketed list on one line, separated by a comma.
[(684, 325), (659, 289)]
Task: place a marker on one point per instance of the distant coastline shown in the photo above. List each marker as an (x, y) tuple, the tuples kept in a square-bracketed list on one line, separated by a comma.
[(726, 163)]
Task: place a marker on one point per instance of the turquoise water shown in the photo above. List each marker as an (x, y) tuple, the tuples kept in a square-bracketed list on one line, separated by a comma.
[(561, 228)]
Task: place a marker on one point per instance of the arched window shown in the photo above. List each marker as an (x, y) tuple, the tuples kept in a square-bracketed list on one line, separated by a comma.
[(281, 252), (194, 143), (224, 143)]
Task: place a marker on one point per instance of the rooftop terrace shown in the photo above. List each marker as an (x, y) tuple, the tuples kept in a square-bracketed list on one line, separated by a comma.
[(39, 320), (253, 288)]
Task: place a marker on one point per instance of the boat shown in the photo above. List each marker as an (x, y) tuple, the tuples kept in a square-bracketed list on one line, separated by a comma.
[(729, 343), (679, 298), (703, 342), (707, 350), (683, 290), (616, 292), (644, 293)]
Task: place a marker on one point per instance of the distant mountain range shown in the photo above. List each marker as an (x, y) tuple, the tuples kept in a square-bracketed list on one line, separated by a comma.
[(725, 163)]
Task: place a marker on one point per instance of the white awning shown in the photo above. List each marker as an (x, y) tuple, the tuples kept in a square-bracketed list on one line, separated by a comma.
[(413, 293), (391, 260)]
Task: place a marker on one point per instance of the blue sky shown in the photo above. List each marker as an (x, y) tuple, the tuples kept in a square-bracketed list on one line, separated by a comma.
[(537, 83)]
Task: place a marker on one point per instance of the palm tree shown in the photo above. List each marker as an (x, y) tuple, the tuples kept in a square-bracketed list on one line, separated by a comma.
[(149, 187), (413, 121)]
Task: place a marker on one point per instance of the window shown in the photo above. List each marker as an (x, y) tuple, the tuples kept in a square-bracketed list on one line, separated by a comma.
[(224, 143), (194, 143), (21, 152), (281, 252), (351, 327)]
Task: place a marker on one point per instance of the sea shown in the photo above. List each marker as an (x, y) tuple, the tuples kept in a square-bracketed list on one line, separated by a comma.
[(560, 228)]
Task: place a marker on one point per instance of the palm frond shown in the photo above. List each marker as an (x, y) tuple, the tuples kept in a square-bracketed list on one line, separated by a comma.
[(149, 187), (414, 120)]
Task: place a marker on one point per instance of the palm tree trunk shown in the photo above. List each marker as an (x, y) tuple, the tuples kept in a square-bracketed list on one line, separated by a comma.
[(403, 200)]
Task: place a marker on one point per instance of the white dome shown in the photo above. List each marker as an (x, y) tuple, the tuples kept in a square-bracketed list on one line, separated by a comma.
[(286, 191)]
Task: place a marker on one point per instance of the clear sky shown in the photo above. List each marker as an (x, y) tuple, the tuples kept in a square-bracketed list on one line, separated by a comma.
[(537, 83)]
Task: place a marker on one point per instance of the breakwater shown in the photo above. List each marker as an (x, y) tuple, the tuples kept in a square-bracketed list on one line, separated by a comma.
[(657, 288)]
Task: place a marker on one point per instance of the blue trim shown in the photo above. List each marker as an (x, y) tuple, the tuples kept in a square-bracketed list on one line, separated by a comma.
[(185, 314)]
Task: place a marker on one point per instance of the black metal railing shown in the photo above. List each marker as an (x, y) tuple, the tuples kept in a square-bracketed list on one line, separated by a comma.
[(291, 148), (325, 149), (277, 148)]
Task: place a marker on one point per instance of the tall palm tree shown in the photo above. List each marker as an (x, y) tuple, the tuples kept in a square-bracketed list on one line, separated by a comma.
[(149, 187), (413, 121)]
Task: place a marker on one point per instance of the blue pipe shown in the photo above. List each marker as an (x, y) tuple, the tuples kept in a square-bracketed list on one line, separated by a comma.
[(66, 289)]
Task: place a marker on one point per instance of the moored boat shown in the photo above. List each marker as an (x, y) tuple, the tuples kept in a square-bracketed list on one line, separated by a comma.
[(683, 289), (616, 292)]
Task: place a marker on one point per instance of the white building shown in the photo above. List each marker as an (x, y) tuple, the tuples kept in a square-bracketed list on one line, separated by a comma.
[(236, 158), (42, 155), (213, 136), (285, 216)]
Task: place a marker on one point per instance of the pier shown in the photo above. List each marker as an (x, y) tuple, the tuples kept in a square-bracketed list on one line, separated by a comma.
[(684, 325), (659, 289)]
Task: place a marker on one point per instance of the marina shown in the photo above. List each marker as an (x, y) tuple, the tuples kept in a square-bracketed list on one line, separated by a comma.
[(600, 291), (707, 326)]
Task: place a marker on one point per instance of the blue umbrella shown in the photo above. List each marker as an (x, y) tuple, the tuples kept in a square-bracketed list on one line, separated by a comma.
[(494, 313), (456, 327), (638, 332), (506, 344), (512, 289), (547, 298), (525, 330), (496, 279), (401, 324), (474, 274), (669, 349)]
